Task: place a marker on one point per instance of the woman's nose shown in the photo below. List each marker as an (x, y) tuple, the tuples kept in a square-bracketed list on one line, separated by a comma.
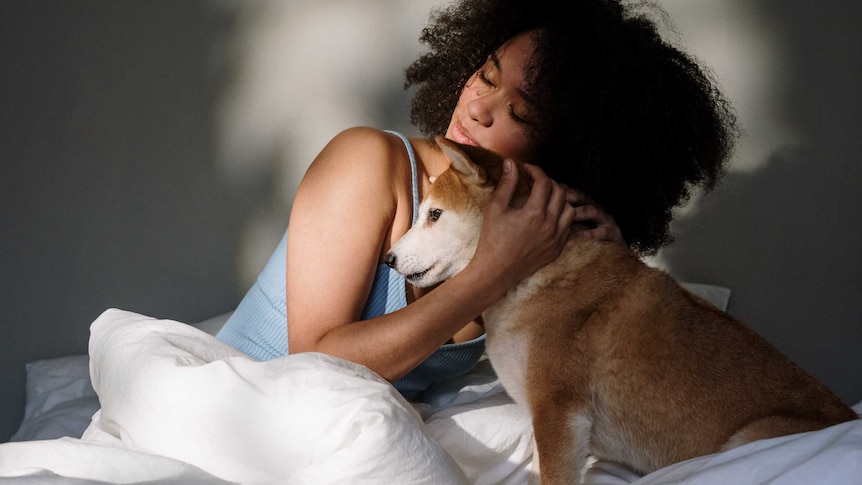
[(480, 110)]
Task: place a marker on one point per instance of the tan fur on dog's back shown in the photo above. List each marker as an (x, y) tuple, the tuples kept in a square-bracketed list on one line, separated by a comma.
[(614, 358)]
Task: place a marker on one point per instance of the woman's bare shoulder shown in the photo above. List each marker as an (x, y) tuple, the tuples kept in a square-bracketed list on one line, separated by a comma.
[(360, 163), (365, 143), (361, 154)]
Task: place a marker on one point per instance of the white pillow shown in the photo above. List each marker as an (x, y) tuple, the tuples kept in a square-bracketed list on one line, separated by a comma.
[(59, 399), (214, 324), (717, 295)]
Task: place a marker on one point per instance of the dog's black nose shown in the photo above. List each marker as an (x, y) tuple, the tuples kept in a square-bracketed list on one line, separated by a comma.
[(389, 260)]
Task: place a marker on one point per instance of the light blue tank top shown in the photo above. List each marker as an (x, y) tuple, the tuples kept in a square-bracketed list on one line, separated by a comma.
[(258, 326)]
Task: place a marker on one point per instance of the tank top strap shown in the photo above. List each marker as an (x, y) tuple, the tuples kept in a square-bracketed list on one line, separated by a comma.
[(415, 173)]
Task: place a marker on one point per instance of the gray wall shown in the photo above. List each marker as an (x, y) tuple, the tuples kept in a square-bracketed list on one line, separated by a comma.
[(107, 192), (151, 148), (782, 231)]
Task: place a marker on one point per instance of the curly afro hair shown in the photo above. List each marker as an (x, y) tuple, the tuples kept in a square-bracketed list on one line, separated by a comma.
[(621, 114)]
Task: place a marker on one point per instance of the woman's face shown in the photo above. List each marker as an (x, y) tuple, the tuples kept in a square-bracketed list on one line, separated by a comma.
[(493, 110)]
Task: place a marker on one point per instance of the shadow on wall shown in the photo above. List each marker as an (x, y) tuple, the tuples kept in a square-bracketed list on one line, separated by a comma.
[(778, 237), (108, 197), (782, 229)]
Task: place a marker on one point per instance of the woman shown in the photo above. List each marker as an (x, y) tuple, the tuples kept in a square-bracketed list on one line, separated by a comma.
[(590, 93)]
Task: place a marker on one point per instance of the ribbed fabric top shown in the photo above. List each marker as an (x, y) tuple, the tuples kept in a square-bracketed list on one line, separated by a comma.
[(258, 326)]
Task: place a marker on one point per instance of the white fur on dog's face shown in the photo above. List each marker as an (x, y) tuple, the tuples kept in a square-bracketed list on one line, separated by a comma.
[(442, 241), (446, 233)]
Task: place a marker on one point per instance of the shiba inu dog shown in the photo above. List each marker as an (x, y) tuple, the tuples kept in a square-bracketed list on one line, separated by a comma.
[(611, 357)]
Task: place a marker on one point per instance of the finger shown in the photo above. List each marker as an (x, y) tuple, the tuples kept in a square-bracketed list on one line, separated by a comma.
[(586, 213), (576, 197), (557, 202), (566, 221), (508, 182), (594, 214), (542, 187), (607, 233)]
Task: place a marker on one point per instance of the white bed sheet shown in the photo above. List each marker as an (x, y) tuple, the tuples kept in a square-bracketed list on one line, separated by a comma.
[(179, 406)]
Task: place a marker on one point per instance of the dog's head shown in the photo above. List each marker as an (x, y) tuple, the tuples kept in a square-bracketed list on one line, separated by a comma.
[(446, 232)]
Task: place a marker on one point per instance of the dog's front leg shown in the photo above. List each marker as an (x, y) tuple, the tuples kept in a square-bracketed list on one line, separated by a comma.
[(562, 443)]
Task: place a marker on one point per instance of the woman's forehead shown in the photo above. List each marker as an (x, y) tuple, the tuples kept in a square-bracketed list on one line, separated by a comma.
[(512, 59), (517, 50)]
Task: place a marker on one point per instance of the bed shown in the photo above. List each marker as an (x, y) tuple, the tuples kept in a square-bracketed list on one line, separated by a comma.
[(161, 401)]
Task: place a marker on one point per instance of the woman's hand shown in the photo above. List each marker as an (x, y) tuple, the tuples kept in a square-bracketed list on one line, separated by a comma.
[(515, 242), (593, 221)]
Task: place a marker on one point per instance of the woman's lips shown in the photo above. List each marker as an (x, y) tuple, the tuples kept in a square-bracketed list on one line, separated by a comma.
[(460, 136)]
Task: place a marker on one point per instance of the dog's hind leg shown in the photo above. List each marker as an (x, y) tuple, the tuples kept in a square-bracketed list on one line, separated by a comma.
[(562, 443)]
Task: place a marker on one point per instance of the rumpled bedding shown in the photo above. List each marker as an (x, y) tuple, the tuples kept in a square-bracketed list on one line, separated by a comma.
[(178, 404), (181, 407)]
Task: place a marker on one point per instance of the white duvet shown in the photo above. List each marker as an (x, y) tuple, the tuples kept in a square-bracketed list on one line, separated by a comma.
[(180, 407)]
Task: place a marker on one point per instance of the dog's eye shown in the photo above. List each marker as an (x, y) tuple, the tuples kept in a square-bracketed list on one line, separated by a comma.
[(434, 214)]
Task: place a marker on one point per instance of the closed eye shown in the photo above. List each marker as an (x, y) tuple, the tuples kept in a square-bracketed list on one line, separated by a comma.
[(434, 214), (517, 118), (482, 77)]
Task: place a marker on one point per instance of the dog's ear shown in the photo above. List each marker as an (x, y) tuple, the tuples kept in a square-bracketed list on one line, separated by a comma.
[(461, 163)]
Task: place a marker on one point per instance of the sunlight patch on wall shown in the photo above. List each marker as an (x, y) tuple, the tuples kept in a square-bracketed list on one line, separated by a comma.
[(298, 73), (743, 47)]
